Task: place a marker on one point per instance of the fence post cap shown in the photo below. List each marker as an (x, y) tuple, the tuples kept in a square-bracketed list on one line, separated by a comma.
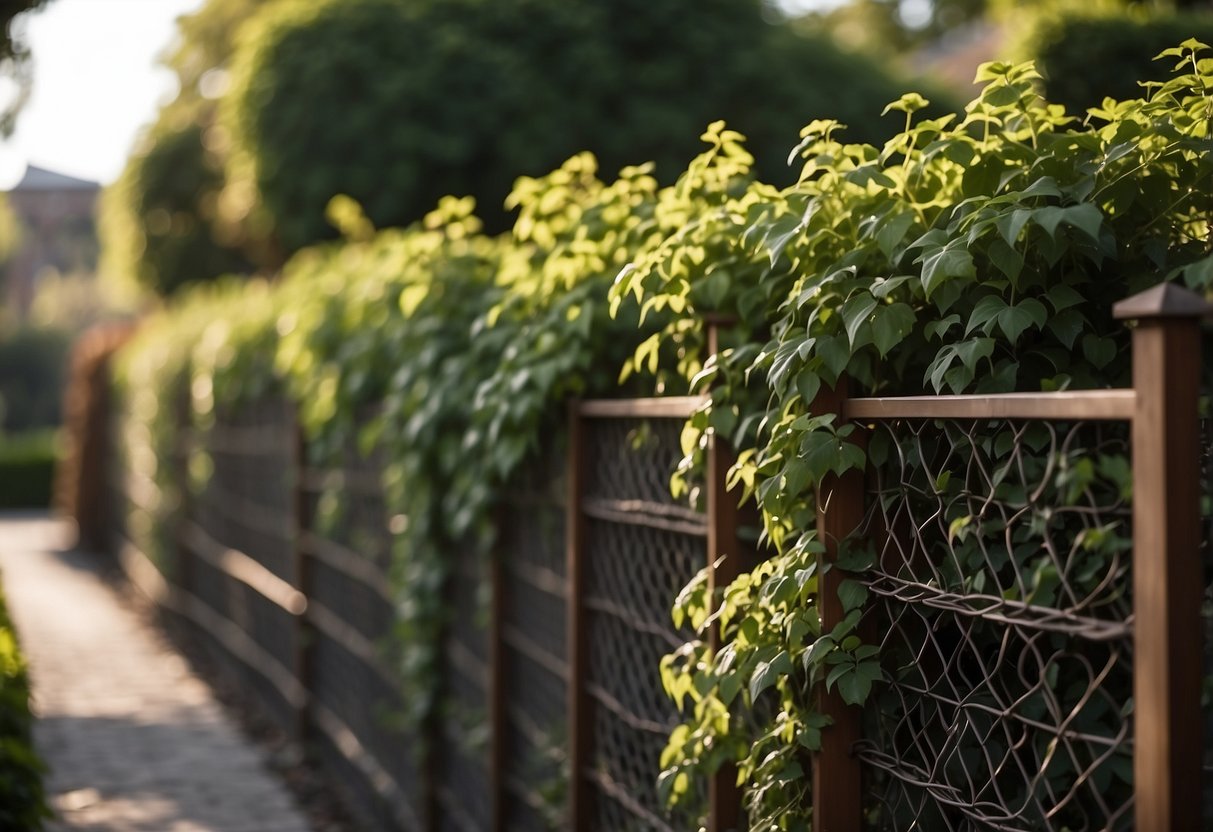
[(1166, 300)]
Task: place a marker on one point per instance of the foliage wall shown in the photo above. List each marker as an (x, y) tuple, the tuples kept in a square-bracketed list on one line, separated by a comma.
[(22, 800), (977, 252), (397, 104), (1085, 58)]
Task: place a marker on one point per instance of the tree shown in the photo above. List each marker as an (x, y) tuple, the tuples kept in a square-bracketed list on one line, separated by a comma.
[(14, 59), (161, 222), (399, 103)]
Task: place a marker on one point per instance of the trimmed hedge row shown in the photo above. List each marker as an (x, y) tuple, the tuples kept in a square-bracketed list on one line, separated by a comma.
[(22, 802), (27, 469)]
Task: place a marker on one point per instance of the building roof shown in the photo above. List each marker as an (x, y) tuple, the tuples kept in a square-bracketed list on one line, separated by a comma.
[(40, 179)]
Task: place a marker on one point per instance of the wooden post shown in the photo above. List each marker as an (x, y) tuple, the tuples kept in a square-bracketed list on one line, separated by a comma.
[(580, 713), (1167, 576), (724, 565), (305, 637), (837, 787), (498, 759)]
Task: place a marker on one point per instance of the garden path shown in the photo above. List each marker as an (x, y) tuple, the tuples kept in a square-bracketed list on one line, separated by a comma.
[(134, 740)]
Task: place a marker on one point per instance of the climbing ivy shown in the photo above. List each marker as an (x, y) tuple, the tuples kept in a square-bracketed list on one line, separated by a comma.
[(971, 253)]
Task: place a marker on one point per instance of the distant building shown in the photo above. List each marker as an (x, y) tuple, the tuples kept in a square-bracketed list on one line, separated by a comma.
[(57, 215)]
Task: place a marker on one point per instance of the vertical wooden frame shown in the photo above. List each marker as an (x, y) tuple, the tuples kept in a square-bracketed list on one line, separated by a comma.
[(305, 637), (1168, 658), (724, 562), (581, 733), (837, 784), (497, 687)]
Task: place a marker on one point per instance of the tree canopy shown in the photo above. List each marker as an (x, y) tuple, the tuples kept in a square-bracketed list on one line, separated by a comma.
[(399, 103)]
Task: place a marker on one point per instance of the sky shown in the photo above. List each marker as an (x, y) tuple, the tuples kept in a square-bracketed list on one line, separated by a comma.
[(97, 81)]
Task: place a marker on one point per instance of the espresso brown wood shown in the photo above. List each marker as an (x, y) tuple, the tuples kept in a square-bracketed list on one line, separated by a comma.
[(305, 636), (1167, 575), (669, 407), (498, 759), (725, 563), (837, 788), (581, 729), (1077, 405)]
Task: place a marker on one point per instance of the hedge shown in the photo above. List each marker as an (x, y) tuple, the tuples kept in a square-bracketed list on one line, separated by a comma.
[(22, 802), (27, 469)]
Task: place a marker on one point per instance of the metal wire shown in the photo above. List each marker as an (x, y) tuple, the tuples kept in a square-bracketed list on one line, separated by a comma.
[(1000, 600), (531, 547), (641, 548)]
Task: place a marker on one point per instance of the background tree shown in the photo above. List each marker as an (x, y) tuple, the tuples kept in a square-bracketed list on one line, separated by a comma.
[(399, 103), (14, 59), (160, 222)]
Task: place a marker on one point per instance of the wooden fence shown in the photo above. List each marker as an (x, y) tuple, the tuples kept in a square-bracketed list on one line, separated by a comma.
[(552, 715), (282, 570)]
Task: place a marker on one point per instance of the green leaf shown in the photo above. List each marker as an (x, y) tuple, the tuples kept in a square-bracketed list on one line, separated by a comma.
[(1061, 296), (1067, 326), (768, 673), (1010, 224), (891, 325), (892, 232), (852, 595), (985, 312), (854, 688), (855, 314), (1016, 319), (1006, 259), (1099, 351), (947, 262)]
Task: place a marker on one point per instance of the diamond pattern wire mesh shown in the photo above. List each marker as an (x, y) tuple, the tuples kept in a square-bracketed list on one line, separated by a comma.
[(641, 548), (352, 612), (1000, 603), (1206, 554), (246, 505), (534, 609), (463, 779)]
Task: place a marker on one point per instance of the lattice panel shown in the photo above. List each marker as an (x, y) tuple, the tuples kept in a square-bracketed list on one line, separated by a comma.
[(463, 788), (534, 640), (1000, 599), (1206, 552), (632, 573), (628, 467)]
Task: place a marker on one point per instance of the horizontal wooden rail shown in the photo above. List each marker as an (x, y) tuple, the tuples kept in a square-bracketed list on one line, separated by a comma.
[(340, 558), (669, 407), (1076, 405), (240, 567), (351, 748), (246, 440), (633, 513), (348, 638), (139, 568), (362, 483)]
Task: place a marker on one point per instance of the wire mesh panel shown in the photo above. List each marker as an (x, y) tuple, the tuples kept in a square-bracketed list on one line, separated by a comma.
[(1206, 552), (533, 639), (239, 535), (999, 598), (356, 699), (464, 797), (639, 548)]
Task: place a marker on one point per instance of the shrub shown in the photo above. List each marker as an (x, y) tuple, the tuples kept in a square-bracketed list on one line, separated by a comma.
[(397, 104), (33, 362), (22, 804), (158, 221), (1084, 59), (27, 469)]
